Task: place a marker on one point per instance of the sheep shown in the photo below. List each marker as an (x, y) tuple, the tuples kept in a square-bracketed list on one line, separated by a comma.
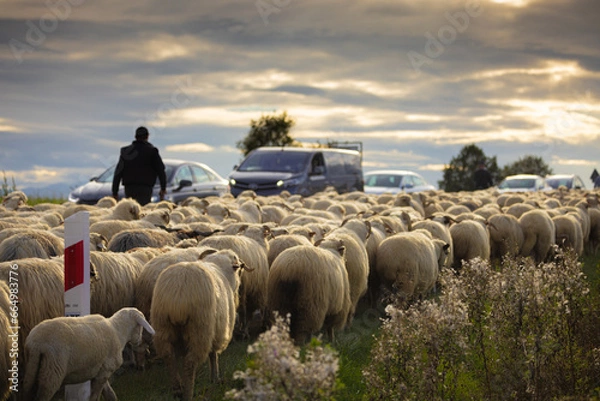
[(14, 199), (106, 202), (470, 239), (539, 234), (517, 209), (253, 291), (594, 237), (41, 292), (440, 231), (408, 263), (283, 242), (145, 281), (506, 236), (8, 331), (144, 237), (70, 350), (113, 286), (354, 234), (568, 233), (126, 209), (198, 323), (109, 228), (31, 244), (311, 284)]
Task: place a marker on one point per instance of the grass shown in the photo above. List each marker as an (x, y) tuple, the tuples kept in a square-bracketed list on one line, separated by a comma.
[(353, 346)]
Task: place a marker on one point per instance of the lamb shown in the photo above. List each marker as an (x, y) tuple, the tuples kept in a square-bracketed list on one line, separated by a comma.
[(311, 284), (126, 209), (409, 263), (470, 240), (109, 228), (517, 209), (539, 234), (198, 323), (506, 236), (31, 244), (70, 350)]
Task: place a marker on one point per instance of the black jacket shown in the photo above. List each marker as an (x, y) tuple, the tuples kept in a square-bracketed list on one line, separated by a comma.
[(139, 164), (483, 179)]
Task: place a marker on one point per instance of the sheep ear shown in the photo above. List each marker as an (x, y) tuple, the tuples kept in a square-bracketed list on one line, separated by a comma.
[(242, 228), (206, 253), (369, 230), (318, 242), (139, 318), (341, 249), (446, 247), (266, 231)]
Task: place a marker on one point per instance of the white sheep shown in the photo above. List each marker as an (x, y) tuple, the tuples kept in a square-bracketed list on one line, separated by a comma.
[(311, 284), (506, 236), (197, 324), (71, 350), (539, 234), (8, 325), (31, 244), (568, 233), (408, 263), (283, 242), (354, 234), (470, 240), (253, 290), (440, 231), (14, 199)]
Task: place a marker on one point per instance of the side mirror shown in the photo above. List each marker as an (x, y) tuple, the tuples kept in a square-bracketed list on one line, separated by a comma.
[(235, 167), (182, 184), (93, 178)]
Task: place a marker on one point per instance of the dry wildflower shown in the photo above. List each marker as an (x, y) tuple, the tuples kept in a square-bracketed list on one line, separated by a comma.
[(279, 370)]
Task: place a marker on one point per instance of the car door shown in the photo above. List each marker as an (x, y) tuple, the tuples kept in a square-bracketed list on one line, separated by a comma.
[(181, 187), (204, 183)]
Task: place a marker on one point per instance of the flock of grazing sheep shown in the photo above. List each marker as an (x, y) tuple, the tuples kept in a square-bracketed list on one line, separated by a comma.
[(207, 269)]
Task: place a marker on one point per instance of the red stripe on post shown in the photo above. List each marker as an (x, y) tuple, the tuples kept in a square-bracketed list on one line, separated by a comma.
[(74, 265)]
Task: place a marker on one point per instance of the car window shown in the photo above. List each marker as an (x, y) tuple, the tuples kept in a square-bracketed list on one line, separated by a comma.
[(335, 163), (200, 175), (418, 181), (294, 162), (408, 181), (183, 173)]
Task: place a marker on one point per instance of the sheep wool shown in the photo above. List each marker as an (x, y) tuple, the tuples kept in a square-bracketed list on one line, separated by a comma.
[(311, 284), (198, 323)]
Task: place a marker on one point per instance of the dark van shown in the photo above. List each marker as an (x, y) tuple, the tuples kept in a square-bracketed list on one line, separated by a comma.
[(304, 171)]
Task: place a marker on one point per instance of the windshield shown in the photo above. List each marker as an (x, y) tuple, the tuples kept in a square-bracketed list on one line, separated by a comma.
[(107, 176), (557, 182), (383, 180), (517, 183), (281, 162)]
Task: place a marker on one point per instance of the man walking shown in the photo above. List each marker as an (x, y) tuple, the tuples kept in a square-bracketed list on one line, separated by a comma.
[(482, 177), (139, 166)]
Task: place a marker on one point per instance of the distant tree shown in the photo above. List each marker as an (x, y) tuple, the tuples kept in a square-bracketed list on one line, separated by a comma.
[(458, 175), (527, 165), (269, 130)]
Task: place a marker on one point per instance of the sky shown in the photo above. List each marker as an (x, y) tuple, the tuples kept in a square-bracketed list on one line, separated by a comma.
[(415, 82)]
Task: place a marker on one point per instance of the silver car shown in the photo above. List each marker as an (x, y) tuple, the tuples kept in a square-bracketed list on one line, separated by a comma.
[(184, 179), (395, 181)]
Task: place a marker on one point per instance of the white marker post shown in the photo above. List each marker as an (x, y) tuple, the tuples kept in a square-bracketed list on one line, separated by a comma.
[(77, 283)]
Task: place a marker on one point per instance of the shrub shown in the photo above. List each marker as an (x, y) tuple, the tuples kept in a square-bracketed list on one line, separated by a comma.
[(279, 370), (524, 331)]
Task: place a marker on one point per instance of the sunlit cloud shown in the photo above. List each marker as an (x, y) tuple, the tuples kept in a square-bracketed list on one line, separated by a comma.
[(190, 148), (574, 162)]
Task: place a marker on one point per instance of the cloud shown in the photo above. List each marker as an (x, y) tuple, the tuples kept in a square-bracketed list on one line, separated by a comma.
[(190, 148)]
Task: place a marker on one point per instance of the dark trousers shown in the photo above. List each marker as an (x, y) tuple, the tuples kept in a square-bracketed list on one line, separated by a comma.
[(141, 193)]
